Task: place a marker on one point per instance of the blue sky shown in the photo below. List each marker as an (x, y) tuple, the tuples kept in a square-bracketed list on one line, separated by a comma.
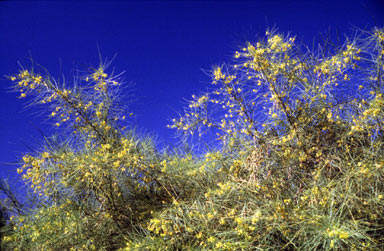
[(163, 47)]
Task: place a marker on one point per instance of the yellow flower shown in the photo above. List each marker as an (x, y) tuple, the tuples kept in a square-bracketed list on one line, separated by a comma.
[(218, 74), (332, 244), (219, 245), (37, 79), (343, 235), (45, 155), (116, 163), (211, 239)]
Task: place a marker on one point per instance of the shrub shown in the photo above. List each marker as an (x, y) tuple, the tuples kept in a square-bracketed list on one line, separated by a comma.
[(304, 134), (95, 185), (298, 164)]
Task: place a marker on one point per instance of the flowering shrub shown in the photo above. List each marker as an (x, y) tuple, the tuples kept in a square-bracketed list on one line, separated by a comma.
[(97, 184), (301, 137), (300, 163)]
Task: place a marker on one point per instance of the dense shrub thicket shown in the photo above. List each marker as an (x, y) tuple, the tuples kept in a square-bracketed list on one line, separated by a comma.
[(299, 161)]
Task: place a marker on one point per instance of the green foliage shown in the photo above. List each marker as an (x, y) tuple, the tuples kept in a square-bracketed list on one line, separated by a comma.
[(300, 165)]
